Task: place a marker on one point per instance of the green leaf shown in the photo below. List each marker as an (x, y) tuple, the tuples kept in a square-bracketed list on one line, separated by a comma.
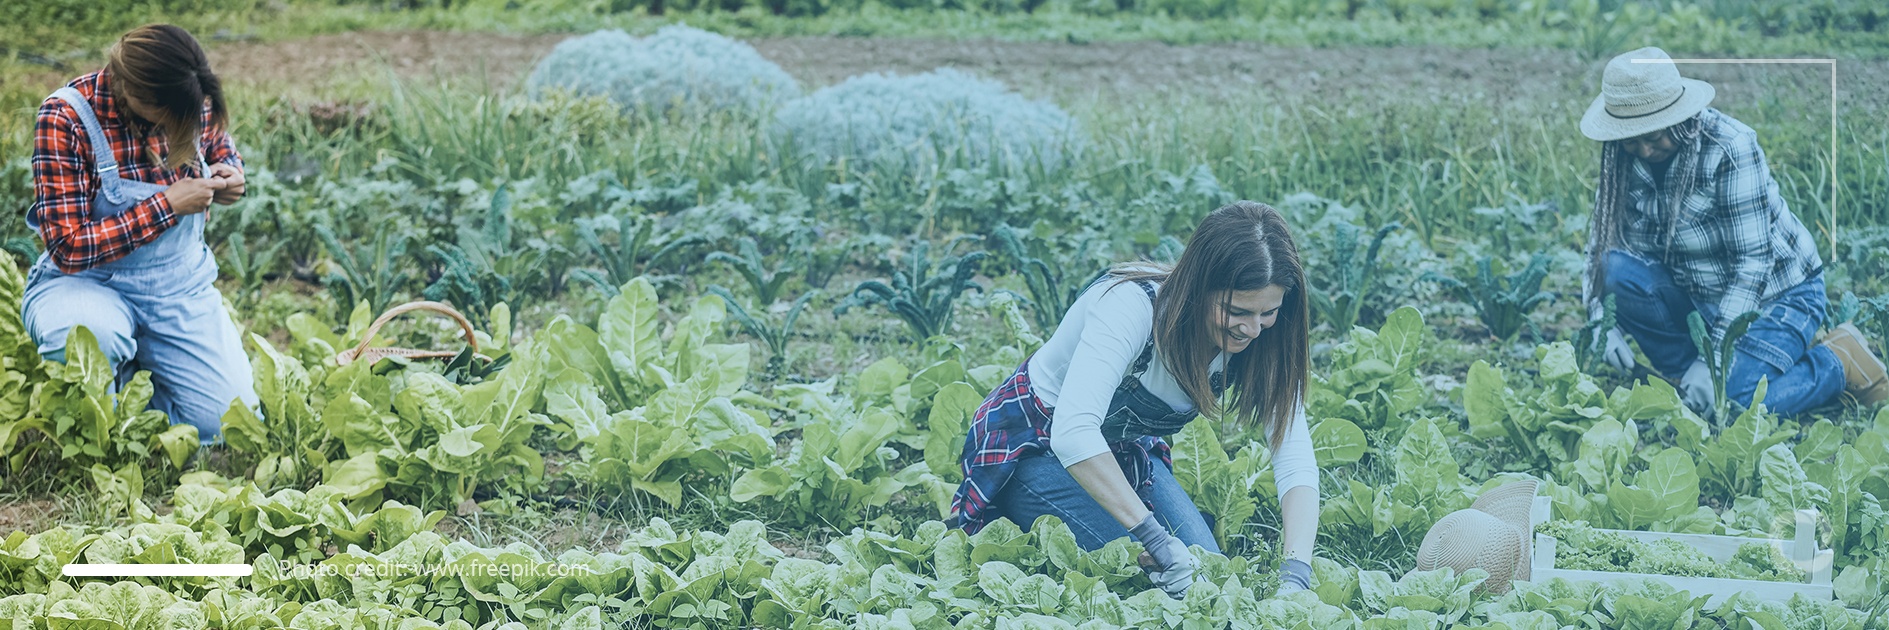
[(1668, 488), (1483, 400), (1336, 441), (878, 380), (628, 329), (770, 481), (1783, 483), (951, 412), (1820, 442)]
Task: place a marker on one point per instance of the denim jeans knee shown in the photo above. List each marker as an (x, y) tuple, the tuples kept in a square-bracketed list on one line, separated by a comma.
[(53, 308), (1652, 309)]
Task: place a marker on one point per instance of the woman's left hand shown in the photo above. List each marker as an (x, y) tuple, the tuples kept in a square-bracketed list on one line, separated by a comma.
[(234, 190)]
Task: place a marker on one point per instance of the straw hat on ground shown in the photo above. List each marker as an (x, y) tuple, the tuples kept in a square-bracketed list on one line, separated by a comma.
[(1644, 96), (1492, 535)]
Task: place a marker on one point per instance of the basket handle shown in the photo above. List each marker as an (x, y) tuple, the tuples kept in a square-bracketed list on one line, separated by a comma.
[(373, 330)]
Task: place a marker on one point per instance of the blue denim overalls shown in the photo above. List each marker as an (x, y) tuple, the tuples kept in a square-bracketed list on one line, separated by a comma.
[(1009, 437), (155, 309)]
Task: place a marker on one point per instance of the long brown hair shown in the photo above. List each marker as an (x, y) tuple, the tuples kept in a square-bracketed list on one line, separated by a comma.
[(164, 69), (1243, 246)]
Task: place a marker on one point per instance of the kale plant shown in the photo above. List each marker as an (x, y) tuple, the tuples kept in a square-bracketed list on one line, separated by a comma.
[(757, 325), (1052, 288), (1339, 299), (488, 266), (923, 292), (374, 272), (765, 281), (1503, 300), (249, 268)]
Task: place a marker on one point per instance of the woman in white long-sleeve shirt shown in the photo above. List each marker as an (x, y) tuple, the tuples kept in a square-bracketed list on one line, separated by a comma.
[(1140, 354)]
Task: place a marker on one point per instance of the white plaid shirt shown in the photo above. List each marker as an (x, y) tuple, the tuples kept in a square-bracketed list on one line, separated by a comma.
[(1738, 243)]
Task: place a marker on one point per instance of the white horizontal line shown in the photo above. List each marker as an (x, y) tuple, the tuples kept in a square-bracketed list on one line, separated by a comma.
[(1734, 61), (157, 570)]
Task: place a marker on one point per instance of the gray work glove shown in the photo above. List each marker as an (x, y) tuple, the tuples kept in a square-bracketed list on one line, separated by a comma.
[(1695, 388), (1174, 565), (1616, 352), (1294, 576)]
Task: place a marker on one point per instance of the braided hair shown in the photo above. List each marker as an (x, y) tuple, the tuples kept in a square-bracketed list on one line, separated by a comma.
[(1605, 231)]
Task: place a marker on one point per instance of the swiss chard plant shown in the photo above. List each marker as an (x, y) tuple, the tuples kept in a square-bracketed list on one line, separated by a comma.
[(294, 444), (416, 435), (842, 467), (1503, 300), (86, 425), (1223, 486), (1372, 382), (650, 414), (1729, 463), (21, 368), (1546, 419), (1719, 353), (1428, 484)]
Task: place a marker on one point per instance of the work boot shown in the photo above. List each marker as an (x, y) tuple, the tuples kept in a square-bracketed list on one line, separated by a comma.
[(1864, 375)]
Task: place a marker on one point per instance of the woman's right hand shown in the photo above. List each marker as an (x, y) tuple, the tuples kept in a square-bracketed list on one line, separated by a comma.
[(193, 195), (1172, 565)]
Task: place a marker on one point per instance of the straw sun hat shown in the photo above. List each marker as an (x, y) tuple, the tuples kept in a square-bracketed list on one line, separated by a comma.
[(1492, 535), (1644, 97)]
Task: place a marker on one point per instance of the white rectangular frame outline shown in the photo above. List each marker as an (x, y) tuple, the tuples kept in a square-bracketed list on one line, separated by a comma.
[(1833, 119)]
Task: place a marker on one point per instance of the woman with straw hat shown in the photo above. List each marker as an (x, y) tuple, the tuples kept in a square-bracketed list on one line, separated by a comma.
[(126, 161), (1076, 432), (1688, 218)]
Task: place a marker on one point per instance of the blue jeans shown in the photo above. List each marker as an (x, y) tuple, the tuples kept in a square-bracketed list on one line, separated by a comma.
[(1042, 486), (1780, 346), (167, 320)]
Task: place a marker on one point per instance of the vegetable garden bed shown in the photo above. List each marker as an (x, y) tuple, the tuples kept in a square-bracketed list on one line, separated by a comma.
[(1802, 551)]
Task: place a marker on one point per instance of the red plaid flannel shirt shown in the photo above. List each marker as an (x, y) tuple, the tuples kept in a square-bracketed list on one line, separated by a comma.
[(65, 180)]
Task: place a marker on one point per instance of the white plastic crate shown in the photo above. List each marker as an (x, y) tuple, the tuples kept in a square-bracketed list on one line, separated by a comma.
[(1803, 551)]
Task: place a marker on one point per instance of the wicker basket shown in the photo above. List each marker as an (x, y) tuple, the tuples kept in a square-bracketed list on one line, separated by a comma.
[(375, 354)]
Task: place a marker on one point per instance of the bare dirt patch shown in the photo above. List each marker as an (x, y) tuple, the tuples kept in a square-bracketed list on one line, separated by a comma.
[(28, 516)]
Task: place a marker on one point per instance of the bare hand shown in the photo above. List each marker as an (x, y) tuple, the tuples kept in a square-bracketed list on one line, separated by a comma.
[(234, 185), (193, 195)]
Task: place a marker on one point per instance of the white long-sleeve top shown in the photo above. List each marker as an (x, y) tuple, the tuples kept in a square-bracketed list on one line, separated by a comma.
[(1077, 370)]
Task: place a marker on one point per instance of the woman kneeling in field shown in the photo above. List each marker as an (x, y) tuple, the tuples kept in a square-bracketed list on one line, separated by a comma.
[(1076, 431), (126, 162), (1688, 218)]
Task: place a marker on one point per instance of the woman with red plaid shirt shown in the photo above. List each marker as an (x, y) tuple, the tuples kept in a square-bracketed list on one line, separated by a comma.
[(126, 161), (1076, 432)]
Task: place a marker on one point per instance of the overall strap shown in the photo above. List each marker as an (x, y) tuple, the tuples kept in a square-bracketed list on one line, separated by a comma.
[(102, 158), (1133, 376)]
